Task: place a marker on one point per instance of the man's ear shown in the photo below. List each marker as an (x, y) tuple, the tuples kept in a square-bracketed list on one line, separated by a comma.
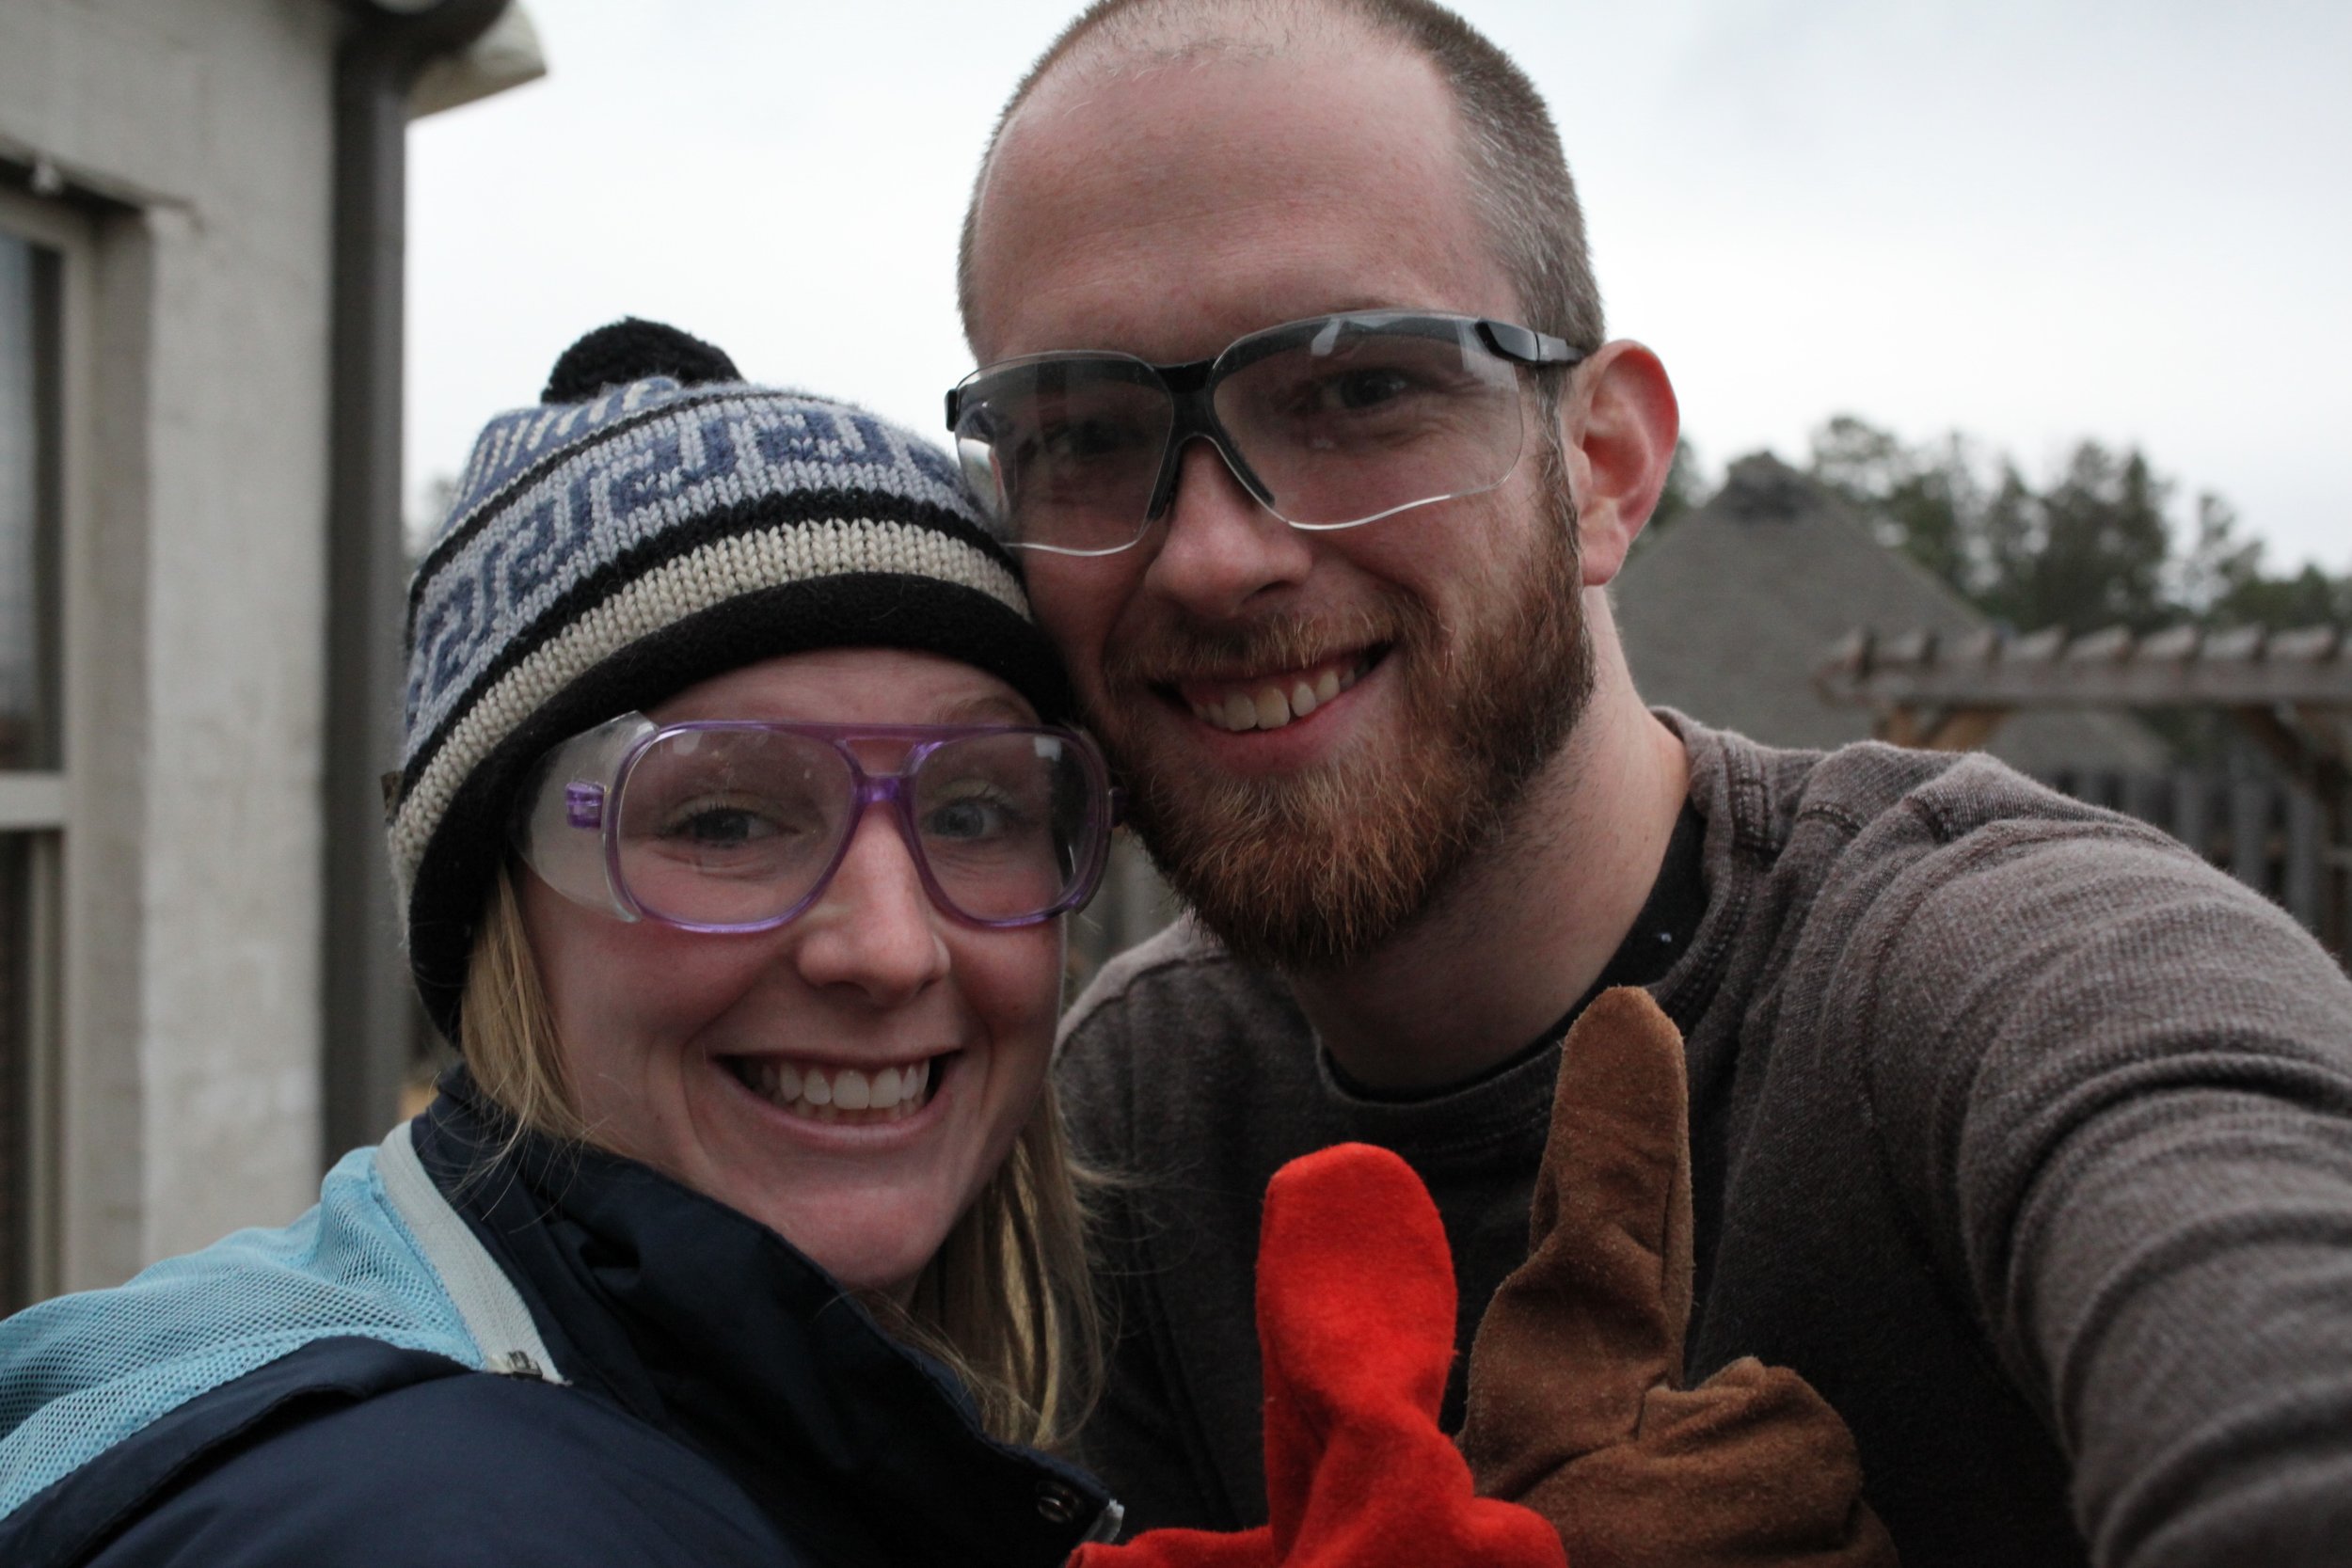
[(1621, 421)]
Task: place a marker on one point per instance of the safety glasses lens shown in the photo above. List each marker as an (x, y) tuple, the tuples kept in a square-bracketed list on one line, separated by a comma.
[(1003, 820), (726, 827), (730, 826), (1337, 420), (1364, 419), (1065, 452)]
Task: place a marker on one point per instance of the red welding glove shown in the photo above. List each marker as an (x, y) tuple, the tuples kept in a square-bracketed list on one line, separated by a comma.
[(1574, 1404), (1355, 1318)]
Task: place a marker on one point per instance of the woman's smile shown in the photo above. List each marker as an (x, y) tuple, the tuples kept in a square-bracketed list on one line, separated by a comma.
[(839, 1094)]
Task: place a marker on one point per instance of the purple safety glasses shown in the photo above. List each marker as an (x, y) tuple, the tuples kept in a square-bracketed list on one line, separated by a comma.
[(738, 826)]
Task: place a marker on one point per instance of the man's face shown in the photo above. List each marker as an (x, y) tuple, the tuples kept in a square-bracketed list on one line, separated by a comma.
[(1317, 727)]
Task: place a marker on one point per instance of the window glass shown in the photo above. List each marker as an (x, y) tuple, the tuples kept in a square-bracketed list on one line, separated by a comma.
[(30, 593), (29, 505), (17, 1023)]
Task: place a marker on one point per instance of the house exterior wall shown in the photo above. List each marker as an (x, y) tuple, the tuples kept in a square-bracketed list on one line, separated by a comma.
[(186, 1086)]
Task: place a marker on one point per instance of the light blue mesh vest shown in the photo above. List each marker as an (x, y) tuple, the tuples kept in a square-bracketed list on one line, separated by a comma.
[(381, 1257)]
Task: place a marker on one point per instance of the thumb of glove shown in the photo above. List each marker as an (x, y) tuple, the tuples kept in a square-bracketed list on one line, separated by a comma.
[(1594, 1319), (1575, 1407), (1356, 1305)]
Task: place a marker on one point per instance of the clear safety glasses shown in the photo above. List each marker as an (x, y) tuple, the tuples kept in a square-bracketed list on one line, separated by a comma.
[(738, 826), (1328, 422)]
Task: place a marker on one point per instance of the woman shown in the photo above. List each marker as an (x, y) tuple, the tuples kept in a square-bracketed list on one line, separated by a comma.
[(735, 822)]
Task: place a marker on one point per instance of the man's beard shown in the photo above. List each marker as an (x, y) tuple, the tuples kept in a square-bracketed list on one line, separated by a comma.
[(1314, 871)]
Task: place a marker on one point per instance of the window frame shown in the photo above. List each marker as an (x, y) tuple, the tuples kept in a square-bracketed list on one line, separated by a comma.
[(41, 806)]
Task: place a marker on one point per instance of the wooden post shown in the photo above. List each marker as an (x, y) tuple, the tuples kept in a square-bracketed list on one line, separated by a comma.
[(2303, 873), (2251, 799)]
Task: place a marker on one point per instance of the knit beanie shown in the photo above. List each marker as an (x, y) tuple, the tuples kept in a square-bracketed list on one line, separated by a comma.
[(654, 522)]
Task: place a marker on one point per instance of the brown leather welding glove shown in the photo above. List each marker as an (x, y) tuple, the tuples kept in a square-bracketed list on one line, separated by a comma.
[(1574, 1404), (1356, 1318)]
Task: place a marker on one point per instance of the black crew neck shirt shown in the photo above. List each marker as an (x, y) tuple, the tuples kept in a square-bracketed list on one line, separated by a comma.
[(1659, 935)]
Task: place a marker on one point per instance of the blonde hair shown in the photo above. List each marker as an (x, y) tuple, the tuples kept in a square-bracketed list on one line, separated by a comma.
[(1007, 1302)]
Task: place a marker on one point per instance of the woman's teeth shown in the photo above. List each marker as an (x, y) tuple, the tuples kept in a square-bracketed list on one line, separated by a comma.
[(836, 1093), (1271, 705)]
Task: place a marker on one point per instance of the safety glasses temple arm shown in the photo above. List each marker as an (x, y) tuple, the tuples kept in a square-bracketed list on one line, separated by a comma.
[(1527, 346)]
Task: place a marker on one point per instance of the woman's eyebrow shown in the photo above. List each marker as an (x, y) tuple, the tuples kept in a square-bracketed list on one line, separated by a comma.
[(989, 709)]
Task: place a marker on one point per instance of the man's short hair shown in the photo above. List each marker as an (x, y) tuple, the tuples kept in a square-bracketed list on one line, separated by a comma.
[(1520, 182)]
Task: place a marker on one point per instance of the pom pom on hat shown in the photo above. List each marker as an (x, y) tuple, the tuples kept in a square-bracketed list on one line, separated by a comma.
[(654, 523), (630, 349)]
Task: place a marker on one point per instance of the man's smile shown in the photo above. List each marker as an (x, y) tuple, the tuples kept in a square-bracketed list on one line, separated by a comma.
[(1271, 698)]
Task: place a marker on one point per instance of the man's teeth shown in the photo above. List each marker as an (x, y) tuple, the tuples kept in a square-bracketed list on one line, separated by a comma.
[(1275, 703), (825, 1094)]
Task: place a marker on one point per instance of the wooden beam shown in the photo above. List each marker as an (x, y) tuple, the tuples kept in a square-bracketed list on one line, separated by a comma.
[(1958, 729), (2329, 730), (2284, 745), (2308, 753), (1966, 729), (2134, 683), (1899, 726)]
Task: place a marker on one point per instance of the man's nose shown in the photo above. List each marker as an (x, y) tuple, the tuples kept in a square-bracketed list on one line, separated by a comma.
[(1221, 548), (874, 927)]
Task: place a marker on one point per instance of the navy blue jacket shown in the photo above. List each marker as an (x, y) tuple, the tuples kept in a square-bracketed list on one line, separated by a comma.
[(725, 1405)]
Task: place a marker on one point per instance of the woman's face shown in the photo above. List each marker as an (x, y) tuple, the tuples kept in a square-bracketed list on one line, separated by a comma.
[(700, 1054)]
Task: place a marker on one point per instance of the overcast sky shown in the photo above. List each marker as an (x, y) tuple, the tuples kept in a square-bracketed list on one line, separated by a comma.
[(2031, 222)]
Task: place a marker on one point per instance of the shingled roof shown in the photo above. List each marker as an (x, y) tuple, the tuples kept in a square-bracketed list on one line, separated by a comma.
[(1729, 612)]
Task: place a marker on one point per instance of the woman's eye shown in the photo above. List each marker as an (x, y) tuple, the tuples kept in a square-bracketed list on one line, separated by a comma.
[(970, 817), (737, 821), (722, 826), (982, 808)]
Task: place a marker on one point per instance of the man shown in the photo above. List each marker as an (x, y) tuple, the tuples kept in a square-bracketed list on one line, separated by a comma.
[(2022, 1134)]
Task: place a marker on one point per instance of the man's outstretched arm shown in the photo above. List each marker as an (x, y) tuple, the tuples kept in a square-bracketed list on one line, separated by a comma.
[(2115, 1091)]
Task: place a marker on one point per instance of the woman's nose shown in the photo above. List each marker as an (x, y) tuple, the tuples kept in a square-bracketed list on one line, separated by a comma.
[(874, 928)]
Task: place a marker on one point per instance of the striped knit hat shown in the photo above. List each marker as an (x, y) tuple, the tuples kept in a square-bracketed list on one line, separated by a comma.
[(653, 523)]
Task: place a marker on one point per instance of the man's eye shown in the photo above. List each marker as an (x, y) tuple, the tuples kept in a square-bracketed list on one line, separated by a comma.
[(1085, 440), (1384, 389), (1362, 389)]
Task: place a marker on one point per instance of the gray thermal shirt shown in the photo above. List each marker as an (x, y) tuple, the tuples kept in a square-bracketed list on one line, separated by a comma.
[(2020, 1131)]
